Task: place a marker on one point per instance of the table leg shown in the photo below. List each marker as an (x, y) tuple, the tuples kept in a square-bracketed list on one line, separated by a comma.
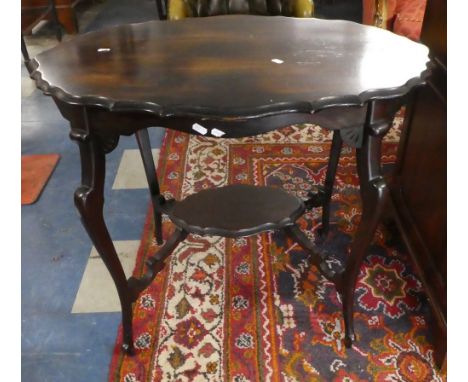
[(143, 140), (335, 151), (374, 194), (321, 196), (89, 201)]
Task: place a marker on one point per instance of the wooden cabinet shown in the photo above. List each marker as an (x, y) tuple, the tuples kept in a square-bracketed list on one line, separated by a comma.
[(419, 189)]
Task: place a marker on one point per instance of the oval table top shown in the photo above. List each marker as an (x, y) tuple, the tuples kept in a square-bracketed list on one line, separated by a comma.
[(231, 66)]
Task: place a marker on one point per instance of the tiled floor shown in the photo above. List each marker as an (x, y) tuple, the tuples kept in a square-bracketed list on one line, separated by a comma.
[(97, 291), (70, 312)]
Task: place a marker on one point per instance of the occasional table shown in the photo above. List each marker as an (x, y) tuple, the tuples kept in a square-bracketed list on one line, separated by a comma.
[(224, 77)]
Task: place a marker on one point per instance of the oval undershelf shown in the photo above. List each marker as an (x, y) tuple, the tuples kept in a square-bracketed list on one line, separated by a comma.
[(235, 211)]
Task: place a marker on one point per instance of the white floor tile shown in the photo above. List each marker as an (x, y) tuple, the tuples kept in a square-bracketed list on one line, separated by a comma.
[(97, 291), (27, 86), (131, 173)]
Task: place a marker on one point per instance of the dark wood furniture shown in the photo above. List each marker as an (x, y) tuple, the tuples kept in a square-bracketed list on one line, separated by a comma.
[(419, 189), (65, 11), (180, 9), (232, 76)]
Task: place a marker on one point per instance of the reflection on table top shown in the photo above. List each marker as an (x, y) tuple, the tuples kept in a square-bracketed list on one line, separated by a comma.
[(231, 66)]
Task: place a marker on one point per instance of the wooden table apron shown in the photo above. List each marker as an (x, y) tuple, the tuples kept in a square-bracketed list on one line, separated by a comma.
[(360, 120)]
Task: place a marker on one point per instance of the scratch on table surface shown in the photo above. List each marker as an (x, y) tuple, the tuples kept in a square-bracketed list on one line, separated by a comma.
[(308, 62)]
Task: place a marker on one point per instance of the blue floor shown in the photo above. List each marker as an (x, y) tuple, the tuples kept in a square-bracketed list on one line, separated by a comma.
[(56, 344)]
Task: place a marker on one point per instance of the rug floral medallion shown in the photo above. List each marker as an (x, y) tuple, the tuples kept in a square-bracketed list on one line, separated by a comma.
[(253, 309)]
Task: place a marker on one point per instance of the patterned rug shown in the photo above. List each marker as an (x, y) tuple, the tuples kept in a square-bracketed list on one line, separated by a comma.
[(252, 309)]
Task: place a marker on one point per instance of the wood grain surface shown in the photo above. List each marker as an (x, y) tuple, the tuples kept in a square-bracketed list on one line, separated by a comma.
[(231, 66)]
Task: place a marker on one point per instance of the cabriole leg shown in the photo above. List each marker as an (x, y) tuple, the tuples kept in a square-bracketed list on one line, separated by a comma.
[(89, 201), (374, 194)]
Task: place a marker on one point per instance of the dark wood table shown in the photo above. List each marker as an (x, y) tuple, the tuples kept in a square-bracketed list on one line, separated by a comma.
[(232, 76)]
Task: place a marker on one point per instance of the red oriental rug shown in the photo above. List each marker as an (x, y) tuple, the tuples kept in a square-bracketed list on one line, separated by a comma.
[(35, 172), (251, 309)]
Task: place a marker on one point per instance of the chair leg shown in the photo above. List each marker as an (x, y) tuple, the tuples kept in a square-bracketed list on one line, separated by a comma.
[(160, 8), (58, 26), (143, 140), (24, 51), (337, 144)]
